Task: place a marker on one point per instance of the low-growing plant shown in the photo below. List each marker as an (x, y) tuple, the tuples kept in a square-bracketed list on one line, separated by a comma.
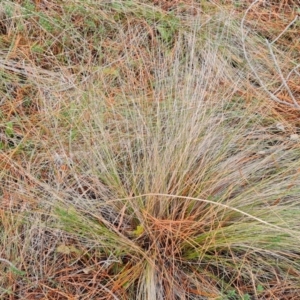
[(183, 196), (152, 171)]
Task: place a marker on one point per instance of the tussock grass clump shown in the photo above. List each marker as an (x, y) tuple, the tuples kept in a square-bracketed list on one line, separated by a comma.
[(193, 197), (150, 173)]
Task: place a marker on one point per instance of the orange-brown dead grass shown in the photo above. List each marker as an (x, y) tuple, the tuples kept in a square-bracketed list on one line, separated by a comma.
[(270, 19), (77, 277)]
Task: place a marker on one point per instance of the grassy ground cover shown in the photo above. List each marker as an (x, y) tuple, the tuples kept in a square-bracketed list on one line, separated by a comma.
[(149, 149)]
